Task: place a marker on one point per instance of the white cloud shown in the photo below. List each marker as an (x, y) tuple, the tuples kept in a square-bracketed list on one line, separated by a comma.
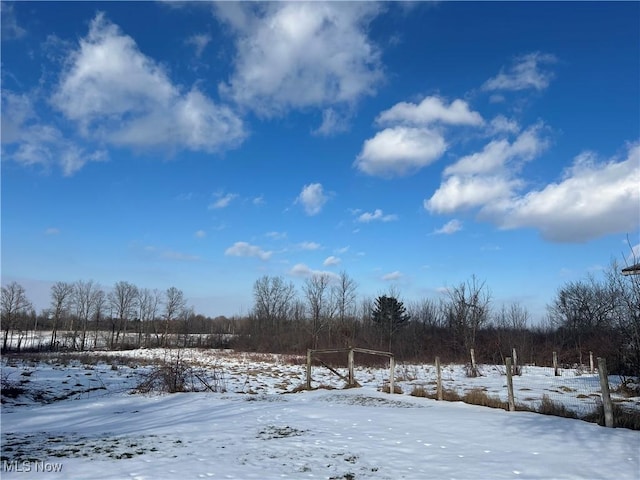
[(449, 228), (332, 123), (200, 234), (10, 29), (294, 55), (389, 277), (199, 41), (414, 136), (430, 110), (312, 198), (258, 200), (32, 142), (303, 271), (118, 95), (276, 235), (593, 199), (497, 153), (400, 151), (488, 176), (244, 249), (309, 246), (343, 250), (460, 193), (377, 215), (223, 201), (526, 72), (502, 124), (331, 261), (52, 231)]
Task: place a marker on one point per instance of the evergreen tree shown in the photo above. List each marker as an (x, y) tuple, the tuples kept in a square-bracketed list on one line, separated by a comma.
[(390, 315)]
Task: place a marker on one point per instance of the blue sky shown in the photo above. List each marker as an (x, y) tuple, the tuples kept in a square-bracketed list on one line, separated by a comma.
[(410, 145)]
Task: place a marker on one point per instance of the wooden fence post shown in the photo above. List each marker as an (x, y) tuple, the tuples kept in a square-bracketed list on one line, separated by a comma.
[(591, 370), (438, 379), (308, 369), (351, 376), (606, 395), (512, 403), (474, 370), (555, 364), (515, 361), (392, 368)]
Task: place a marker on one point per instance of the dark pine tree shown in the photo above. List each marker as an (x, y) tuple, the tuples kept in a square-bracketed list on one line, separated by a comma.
[(390, 315)]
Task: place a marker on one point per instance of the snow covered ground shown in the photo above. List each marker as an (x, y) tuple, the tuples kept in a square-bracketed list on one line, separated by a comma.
[(97, 429)]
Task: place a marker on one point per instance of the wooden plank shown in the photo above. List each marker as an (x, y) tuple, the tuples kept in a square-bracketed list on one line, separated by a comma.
[(334, 371), (372, 352)]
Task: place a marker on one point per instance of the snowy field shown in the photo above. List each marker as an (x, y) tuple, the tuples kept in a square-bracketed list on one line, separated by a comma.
[(81, 421)]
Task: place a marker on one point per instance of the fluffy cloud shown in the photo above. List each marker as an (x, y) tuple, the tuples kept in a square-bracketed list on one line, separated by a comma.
[(118, 95), (526, 72), (303, 271), (502, 124), (430, 110), (414, 137), (331, 261), (390, 277), (223, 201), (31, 142), (449, 228), (592, 199), (377, 215), (293, 55), (461, 193), (400, 151), (309, 246), (487, 176), (244, 249), (312, 198), (498, 153)]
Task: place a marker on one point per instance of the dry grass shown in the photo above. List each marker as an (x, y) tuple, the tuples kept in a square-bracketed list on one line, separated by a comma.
[(386, 389), (478, 396), (419, 391), (622, 417), (549, 407)]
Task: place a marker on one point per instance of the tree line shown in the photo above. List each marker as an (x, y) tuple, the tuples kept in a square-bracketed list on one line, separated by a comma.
[(598, 314)]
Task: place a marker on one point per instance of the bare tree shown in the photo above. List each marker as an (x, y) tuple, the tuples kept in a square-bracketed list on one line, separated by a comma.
[(626, 292), (581, 309), (122, 300), (85, 297), (149, 302), (467, 311), (15, 304), (321, 307), (99, 301), (273, 301), (61, 300), (173, 306), (344, 295)]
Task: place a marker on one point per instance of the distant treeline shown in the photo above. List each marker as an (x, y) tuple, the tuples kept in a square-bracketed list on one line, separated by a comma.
[(599, 315)]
